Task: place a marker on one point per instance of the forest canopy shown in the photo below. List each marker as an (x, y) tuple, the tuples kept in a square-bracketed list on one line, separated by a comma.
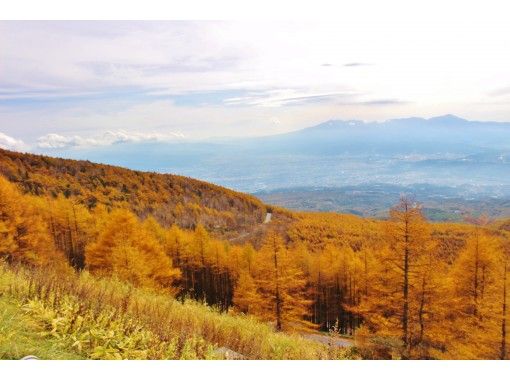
[(402, 287)]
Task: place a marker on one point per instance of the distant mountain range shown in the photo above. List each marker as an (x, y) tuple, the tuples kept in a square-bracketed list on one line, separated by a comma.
[(438, 135), (470, 158)]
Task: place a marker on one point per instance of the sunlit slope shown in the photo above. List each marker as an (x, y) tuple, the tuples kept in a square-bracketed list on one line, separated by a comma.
[(169, 198)]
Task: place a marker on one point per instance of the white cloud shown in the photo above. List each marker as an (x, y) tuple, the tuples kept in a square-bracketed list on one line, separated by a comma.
[(56, 141), (406, 59), (8, 142), (121, 136), (53, 140), (278, 98)]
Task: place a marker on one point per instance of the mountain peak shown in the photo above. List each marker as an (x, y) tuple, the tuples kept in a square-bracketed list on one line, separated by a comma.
[(449, 118)]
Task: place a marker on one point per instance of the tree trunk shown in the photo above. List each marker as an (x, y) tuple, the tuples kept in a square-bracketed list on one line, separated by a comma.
[(405, 311), (475, 284), (503, 319), (422, 308), (277, 292)]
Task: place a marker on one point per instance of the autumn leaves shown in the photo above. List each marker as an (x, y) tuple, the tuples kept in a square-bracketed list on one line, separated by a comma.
[(131, 251), (24, 235), (404, 288), (428, 307), (274, 287), (476, 315), (169, 198)]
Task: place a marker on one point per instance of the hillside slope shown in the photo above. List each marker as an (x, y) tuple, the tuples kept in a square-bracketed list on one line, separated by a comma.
[(38, 316), (338, 273), (169, 198)]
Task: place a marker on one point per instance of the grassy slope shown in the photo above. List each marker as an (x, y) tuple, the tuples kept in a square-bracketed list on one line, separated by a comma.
[(20, 336), (106, 319)]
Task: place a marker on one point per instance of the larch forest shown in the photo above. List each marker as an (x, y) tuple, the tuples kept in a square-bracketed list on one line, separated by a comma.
[(86, 245)]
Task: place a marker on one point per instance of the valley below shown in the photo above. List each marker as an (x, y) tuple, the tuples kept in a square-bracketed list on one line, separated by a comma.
[(439, 203)]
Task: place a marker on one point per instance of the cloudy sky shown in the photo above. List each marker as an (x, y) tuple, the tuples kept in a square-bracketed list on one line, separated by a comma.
[(96, 83)]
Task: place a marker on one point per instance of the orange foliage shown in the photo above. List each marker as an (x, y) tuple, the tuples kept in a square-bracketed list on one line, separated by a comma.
[(131, 251), (24, 236), (403, 287), (169, 198)]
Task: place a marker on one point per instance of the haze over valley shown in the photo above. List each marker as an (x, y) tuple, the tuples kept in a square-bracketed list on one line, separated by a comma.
[(452, 165)]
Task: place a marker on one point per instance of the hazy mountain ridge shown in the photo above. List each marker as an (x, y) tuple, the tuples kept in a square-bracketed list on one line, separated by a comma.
[(471, 158)]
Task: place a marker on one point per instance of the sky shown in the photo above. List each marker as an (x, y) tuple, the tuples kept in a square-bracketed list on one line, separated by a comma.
[(85, 83)]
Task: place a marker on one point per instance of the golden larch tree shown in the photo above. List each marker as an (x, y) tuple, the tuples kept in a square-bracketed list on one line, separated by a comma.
[(24, 235), (128, 250), (246, 298), (281, 286), (398, 299), (475, 285)]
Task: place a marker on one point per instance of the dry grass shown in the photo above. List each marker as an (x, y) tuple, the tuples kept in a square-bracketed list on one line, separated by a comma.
[(108, 319)]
